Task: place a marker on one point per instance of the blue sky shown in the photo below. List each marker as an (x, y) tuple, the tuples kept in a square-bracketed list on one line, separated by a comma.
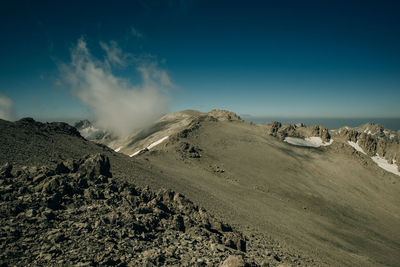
[(263, 58)]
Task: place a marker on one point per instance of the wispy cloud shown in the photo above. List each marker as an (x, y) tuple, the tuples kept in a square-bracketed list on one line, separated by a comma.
[(136, 33), (114, 54), (118, 105), (6, 108)]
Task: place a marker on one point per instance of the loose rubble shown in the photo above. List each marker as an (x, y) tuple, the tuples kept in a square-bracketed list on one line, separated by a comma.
[(76, 213), (298, 130)]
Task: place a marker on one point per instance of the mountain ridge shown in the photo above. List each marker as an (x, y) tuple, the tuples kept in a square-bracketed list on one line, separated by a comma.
[(346, 207), (373, 138)]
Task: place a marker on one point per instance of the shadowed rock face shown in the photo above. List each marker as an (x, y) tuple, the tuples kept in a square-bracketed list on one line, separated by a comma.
[(78, 214)]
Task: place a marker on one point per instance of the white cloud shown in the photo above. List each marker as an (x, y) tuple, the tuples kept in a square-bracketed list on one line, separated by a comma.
[(114, 54), (6, 108), (117, 104)]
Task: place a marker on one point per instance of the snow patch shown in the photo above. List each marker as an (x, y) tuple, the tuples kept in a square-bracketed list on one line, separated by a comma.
[(308, 142), (118, 149), (356, 147), (157, 142), (382, 162), (134, 154), (150, 146)]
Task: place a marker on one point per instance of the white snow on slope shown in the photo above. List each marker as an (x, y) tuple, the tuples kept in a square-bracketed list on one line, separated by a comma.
[(157, 142), (307, 142), (150, 146), (382, 162), (356, 147), (118, 149), (368, 131), (134, 154)]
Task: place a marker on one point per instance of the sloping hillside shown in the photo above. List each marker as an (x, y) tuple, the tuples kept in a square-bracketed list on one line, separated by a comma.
[(66, 200), (332, 201)]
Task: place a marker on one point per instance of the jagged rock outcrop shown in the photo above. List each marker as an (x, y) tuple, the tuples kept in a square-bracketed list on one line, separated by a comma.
[(272, 128), (299, 130), (376, 130), (349, 134), (368, 143), (277, 130), (77, 214), (374, 140), (318, 131)]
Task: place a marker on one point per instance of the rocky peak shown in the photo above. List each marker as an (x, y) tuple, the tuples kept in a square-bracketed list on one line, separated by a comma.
[(224, 115)]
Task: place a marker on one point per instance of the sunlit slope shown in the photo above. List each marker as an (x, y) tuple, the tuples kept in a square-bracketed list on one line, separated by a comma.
[(329, 201)]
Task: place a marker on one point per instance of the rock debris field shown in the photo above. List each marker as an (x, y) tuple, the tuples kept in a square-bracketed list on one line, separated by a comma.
[(75, 213)]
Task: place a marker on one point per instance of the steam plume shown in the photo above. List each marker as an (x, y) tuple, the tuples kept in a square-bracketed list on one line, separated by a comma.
[(6, 108), (117, 105)]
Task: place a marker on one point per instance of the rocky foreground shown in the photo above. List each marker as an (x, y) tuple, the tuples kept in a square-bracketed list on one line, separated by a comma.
[(75, 213)]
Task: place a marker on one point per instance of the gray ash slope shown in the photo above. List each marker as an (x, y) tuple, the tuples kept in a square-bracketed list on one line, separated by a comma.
[(61, 203)]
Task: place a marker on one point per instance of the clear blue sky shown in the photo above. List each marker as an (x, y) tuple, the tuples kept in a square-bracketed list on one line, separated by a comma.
[(272, 58)]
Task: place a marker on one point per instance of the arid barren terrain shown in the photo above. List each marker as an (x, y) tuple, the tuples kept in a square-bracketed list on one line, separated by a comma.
[(200, 133), (324, 202)]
